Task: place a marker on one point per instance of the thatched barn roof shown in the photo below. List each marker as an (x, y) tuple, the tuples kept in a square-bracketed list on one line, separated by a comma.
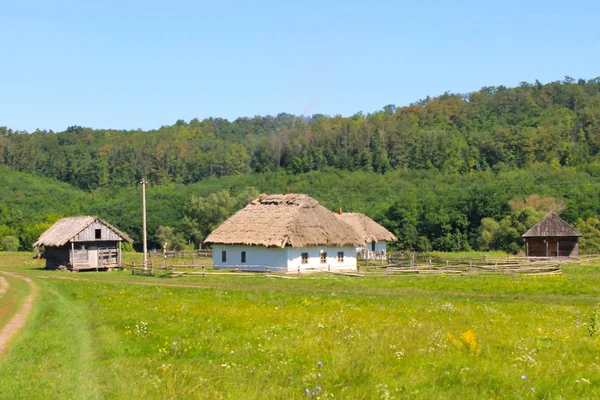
[(67, 228), (551, 226), (369, 230), (279, 220)]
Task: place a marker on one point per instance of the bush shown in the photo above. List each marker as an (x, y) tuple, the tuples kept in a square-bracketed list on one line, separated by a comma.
[(10, 243)]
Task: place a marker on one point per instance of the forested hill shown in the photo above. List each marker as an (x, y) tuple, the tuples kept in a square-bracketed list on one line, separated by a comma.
[(456, 172), (494, 128)]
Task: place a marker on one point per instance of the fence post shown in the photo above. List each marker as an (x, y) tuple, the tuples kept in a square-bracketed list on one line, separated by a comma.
[(267, 268), (328, 271), (298, 270), (236, 269), (203, 271)]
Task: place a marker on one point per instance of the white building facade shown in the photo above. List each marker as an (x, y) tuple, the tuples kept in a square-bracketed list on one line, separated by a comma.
[(286, 259)]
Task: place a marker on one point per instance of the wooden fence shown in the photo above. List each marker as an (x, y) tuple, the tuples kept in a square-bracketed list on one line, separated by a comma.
[(180, 263)]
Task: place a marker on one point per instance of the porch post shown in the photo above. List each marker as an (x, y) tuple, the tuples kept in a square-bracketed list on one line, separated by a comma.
[(72, 255), (527, 247)]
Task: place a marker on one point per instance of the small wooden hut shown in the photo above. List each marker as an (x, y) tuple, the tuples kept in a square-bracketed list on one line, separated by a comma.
[(552, 237), (80, 243), (285, 233), (375, 236)]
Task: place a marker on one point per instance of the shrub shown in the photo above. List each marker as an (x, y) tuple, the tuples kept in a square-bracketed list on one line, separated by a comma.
[(10, 243)]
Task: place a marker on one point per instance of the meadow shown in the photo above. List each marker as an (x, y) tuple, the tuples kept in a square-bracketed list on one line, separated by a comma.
[(114, 335)]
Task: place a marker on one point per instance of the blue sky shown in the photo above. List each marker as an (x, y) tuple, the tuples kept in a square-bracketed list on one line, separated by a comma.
[(143, 64)]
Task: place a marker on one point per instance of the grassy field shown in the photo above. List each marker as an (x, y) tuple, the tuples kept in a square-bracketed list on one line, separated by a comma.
[(114, 335)]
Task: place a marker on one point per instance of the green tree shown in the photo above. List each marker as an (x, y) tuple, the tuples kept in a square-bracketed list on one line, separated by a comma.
[(10, 243), (590, 229)]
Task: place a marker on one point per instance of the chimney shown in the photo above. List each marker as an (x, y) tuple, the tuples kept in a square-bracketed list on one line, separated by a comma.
[(287, 190), (340, 210)]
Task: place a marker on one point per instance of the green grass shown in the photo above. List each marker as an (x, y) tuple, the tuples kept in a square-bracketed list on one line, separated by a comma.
[(256, 338)]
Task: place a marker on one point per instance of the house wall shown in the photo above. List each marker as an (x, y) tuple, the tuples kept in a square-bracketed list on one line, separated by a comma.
[(567, 247), (257, 258), (57, 257), (89, 234), (86, 255), (282, 260), (380, 246), (314, 258)]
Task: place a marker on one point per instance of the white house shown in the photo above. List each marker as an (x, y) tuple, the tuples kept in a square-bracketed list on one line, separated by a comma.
[(286, 233), (374, 236)]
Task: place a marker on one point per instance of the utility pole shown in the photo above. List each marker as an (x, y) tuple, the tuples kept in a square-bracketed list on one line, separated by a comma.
[(144, 223)]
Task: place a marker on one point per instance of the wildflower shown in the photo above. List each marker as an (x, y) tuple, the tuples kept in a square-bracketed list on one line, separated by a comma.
[(523, 377), (318, 388), (532, 390), (318, 374), (307, 391), (320, 363), (468, 338)]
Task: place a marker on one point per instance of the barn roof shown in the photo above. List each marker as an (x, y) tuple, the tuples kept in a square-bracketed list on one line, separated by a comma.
[(369, 230), (66, 229), (551, 226), (278, 220)]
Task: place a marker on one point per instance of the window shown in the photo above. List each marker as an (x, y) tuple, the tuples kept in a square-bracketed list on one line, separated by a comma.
[(98, 233), (223, 256), (323, 257), (373, 245), (243, 256), (304, 258), (340, 256)]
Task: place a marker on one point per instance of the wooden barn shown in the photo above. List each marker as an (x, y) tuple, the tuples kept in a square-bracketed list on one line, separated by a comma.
[(286, 233), (374, 236), (552, 237), (82, 243)]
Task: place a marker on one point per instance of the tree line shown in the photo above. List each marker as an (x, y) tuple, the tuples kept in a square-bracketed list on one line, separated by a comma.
[(495, 128), (427, 210)]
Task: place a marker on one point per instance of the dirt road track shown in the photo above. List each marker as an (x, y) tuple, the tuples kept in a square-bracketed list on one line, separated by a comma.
[(17, 322)]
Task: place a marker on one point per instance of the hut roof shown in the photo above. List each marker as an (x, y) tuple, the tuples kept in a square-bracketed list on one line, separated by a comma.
[(551, 226), (369, 230), (67, 228), (278, 220)]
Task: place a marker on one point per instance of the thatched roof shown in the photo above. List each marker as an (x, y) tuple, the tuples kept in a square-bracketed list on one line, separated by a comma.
[(551, 226), (67, 228), (369, 230), (279, 220)]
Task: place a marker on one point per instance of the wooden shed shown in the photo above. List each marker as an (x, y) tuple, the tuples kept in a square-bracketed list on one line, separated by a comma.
[(80, 243), (552, 237)]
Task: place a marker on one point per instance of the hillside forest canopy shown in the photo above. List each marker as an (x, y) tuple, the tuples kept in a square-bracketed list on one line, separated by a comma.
[(454, 172)]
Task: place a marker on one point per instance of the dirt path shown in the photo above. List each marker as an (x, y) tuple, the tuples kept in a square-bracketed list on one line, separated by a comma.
[(18, 320), (3, 286)]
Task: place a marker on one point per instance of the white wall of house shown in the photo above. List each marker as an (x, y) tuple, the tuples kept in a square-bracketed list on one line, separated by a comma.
[(257, 257), (314, 258), (366, 251), (286, 259), (380, 246)]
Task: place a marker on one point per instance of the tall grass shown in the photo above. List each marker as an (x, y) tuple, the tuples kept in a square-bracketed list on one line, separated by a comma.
[(411, 337)]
